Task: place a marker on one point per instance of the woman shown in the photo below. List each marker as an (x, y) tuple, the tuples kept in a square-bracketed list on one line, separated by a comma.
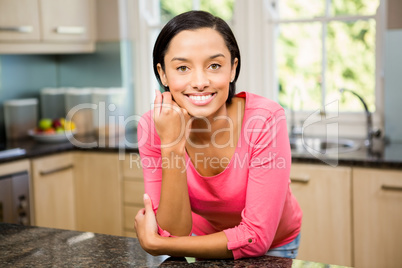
[(216, 165)]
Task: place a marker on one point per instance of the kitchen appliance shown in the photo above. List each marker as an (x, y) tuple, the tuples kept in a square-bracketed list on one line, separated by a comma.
[(78, 106), (20, 115), (14, 198), (52, 103), (110, 112)]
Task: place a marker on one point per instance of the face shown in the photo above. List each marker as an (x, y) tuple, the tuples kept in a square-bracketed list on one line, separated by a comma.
[(198, 71)]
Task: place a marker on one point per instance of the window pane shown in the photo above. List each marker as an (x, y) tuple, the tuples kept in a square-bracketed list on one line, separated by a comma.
[(296, 9), (220, 8), (354, 7), (171, 8), (299, 65), (351, 63)]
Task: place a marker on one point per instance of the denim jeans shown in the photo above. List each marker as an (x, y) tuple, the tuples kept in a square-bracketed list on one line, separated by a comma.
[(287, 251)]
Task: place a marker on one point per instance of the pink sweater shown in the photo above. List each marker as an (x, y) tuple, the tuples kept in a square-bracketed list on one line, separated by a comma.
[(250, 201)]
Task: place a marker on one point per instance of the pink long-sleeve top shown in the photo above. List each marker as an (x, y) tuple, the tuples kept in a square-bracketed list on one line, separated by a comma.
[(250, 201)]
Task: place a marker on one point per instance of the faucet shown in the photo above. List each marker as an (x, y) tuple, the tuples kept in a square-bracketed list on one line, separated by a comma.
[(371, 133)]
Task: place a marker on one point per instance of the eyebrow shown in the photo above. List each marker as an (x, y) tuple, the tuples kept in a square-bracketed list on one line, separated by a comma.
[(212, 57)]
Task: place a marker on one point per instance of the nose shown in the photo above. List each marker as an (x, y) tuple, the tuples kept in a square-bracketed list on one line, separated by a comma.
[(199, 80)]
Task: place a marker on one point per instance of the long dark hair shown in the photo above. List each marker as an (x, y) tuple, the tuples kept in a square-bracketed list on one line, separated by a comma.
[(193, 20)]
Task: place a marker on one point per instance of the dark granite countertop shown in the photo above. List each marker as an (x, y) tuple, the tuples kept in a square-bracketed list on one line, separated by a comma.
[(383, 156), (25, 246)]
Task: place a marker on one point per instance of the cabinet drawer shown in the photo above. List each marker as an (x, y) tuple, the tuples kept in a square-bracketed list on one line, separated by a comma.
[(133, 192), (132, 167), (129, 216)]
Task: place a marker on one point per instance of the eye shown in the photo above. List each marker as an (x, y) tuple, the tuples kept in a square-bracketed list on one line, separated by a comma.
[(182, 68), (214, 66)]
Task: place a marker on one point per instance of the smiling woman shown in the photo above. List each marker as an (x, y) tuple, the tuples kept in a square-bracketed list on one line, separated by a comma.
[(216, 164), (197, 80)]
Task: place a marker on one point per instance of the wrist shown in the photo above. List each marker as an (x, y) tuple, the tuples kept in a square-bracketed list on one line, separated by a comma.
[(156, 246), (176, 150)]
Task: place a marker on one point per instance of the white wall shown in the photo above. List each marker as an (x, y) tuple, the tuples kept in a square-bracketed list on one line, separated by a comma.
[(393, 85)]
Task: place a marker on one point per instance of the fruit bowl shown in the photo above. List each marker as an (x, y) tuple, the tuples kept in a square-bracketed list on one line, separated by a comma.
[(53, 130), (50, 137)]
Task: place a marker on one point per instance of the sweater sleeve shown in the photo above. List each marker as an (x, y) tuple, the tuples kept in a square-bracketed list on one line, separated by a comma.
[(267, 188), (150, 154), (151, 162)]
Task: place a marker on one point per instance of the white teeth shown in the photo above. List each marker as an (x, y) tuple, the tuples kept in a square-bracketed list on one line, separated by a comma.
[(200, 98)]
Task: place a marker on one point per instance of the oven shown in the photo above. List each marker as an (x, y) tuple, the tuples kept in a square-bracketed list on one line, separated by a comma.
[(14, 198)]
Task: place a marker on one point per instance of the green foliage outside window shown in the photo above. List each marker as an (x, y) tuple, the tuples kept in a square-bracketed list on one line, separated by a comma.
[(220, 8), (350, 55)]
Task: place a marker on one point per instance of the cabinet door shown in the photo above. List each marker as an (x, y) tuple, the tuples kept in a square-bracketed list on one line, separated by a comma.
[(133, 191), (324, 195), (19, 20), (70, 20), (377, 196), (98, 193), (53, 190)]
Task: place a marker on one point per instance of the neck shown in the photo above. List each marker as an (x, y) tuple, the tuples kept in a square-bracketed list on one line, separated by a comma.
[(203, 128)]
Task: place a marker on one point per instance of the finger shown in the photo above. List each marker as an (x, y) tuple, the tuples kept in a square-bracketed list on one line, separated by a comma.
[(167, 98), (157, 102), (140, 212), (147, 204)]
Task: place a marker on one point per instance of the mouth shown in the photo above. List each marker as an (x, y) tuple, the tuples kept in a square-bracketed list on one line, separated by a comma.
[(201, 99)]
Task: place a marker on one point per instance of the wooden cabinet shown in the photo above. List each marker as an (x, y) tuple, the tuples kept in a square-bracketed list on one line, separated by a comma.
[(66, 21), (324, 194), (47, 26), (98, 192), (377, 221), (19, 20), (133, 191), (53, 191)]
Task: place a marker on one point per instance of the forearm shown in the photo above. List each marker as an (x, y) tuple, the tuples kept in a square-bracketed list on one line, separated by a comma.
[(174, 211), (212, 246)]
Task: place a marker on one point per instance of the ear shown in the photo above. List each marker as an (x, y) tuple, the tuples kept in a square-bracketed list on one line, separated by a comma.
[(233, 71), (162, 74)]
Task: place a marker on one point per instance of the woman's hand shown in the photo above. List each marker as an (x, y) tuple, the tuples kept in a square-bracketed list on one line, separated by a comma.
[(171, 121), (146, 227)]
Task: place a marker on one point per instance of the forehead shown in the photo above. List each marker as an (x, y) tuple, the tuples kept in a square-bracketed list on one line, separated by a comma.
[(199, 40)]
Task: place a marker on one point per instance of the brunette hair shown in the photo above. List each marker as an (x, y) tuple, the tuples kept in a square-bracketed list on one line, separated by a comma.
[(194, 20)]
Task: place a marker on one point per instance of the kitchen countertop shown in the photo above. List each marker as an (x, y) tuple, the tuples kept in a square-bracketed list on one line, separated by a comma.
[(27, 246), (385, 156)]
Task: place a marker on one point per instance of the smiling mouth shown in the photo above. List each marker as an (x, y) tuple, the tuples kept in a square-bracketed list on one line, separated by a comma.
[(201, 99)]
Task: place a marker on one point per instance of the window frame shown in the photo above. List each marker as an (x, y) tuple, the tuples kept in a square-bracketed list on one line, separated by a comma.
[(350, 120)]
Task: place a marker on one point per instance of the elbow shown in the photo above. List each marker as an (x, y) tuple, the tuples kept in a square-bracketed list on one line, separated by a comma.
[(259, 249)]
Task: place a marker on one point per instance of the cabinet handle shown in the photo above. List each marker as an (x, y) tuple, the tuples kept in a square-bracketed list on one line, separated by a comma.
[(17, 29), (70, 30), (300, 179), (391, 187), (48, 172)]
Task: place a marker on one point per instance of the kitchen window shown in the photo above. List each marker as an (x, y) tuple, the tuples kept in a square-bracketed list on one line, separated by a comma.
[(324, 46)]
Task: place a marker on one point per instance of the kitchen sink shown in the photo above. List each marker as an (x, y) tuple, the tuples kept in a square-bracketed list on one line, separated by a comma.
[(323, 145)]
